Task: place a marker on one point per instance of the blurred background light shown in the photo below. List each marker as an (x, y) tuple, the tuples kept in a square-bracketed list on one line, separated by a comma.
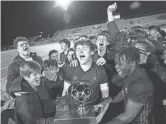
[(64, 4)]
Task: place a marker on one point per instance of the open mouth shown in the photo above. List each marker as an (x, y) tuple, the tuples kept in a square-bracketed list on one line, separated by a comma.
[(26, 48), (82, 56), (101, 44)]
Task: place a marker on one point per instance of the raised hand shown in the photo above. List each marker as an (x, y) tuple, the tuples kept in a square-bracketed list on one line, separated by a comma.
[(112, 8)]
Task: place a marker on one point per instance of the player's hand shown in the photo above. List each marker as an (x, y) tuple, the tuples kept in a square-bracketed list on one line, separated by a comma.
[(74, 63), (112, 8), (99, 106), (101, 61), (61, 64), (101, 114), (7, 104)]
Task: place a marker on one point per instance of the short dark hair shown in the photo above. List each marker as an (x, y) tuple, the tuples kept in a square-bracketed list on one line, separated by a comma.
[(147, 44), (161, 32), (66, 41), (137, 34), (104, 33), (18, 39), (153, 27), (50, 63), (28, 67), (83, 36), (131, 54), (92, 37), (51, 52), (137, 27), (85, 42)]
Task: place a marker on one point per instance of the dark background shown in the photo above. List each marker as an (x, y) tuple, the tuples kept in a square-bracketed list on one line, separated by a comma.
[(29, 18)]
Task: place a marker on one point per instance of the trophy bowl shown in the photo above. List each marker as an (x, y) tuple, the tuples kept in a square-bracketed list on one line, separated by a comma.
[(81, 94)]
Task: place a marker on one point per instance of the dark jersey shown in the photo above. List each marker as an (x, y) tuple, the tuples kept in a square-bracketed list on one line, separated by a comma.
[(55, 88), (138, 88), (63, 57), (109, 57), (95, 76)]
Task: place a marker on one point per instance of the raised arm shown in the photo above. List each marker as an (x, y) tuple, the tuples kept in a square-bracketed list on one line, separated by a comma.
[(112, 27)]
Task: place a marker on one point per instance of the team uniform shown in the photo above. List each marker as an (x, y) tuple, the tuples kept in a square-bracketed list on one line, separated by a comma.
[(55, 88), (139, 89), (95, 77)]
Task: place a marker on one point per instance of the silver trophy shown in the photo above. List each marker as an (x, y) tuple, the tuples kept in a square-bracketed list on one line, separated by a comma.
[(81, 93)]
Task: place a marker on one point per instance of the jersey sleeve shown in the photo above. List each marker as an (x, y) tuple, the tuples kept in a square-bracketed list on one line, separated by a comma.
[(102, 75), (68, 72), (112, 28), (140, 91)]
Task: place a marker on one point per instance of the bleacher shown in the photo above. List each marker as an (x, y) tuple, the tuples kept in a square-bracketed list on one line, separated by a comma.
[(122, 25), (158, 19)]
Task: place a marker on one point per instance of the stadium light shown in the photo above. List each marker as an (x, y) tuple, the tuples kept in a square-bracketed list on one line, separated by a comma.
[(64, 4)]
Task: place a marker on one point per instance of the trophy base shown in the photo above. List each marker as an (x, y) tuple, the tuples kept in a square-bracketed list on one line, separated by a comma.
[(82, 110)]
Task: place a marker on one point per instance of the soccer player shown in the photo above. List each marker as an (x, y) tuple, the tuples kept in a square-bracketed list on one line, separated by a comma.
[(87, 71), (53, 80), (137, 91)]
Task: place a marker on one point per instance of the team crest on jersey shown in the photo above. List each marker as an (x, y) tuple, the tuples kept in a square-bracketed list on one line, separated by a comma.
[(75, 78)]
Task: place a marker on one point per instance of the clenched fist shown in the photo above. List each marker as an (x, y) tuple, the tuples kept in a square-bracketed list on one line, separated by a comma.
[(112, 8)]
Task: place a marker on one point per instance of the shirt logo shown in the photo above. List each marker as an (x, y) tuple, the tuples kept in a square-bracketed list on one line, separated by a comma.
[(75, 78), (94, 78)]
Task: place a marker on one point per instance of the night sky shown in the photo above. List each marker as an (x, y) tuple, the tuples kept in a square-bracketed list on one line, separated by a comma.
[(29, 18)]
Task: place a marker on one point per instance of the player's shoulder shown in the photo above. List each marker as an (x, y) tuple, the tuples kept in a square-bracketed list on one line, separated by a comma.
[(69, 68), (141, 80), (69, 72), (99, 68)]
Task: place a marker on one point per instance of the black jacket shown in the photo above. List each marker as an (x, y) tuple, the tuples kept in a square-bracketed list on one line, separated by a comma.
[(33, 106), (13, 69)]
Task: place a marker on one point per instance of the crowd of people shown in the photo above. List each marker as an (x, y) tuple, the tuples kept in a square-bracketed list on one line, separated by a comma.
[(126, 71)]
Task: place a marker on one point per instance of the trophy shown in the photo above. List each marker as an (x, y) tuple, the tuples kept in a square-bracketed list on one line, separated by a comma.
[(81, 93)]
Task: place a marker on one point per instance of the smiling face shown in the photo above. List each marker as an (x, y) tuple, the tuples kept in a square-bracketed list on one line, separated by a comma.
[(83, 54), (51, 72), (63, 46), (23, 48), (153, 33), (54, 56), (123, 67), (34, 79), (69, 55), (102, 42)]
